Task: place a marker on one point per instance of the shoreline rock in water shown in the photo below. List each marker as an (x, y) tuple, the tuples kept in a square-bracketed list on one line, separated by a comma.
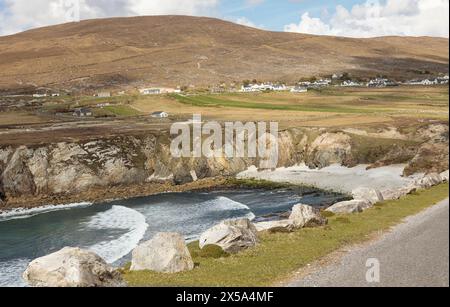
[(72, 267), (232, 236), (164, 253)]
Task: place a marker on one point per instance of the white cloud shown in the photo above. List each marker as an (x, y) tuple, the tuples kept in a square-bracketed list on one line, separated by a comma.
[(19, 15), (247, 22), (375, 18)]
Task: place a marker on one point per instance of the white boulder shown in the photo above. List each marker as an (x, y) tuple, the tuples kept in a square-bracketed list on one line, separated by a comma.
[(397, 193), (444, 176), (352, 206), (372, 195), (306, 216), (429, 181), (72, 267), (232, 236), (275, 226), (164, 253)]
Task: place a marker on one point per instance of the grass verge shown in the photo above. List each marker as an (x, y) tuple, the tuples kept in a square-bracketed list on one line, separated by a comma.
[(278, 255)]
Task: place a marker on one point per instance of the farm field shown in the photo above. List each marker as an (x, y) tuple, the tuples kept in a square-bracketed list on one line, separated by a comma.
[(328, 107), (370, 109)]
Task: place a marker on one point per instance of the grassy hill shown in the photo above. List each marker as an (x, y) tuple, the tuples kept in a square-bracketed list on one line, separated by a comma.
[(181, 50)]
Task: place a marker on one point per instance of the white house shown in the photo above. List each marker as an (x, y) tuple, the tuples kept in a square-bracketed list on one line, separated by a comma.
[(82, 112), (103, 94), (280, 87), (160, 114), (39, 95), (150, 91), (299, 89), (350, 83), (158, 91)]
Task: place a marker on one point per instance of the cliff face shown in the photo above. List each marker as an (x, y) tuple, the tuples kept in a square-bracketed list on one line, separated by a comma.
[(70, 168)]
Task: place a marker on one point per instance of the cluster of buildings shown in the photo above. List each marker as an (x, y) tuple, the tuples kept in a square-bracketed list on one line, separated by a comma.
[(432, 81), (316, 84), (263, 87), (42, 95), (381, 82), (159, 91)]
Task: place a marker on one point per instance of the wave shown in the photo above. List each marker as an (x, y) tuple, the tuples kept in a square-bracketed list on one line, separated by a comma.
[(11, 272), (122, 218), (222, 203), (22, 213)]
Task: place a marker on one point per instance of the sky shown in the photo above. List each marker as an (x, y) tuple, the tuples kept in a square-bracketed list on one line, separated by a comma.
[(351, 18)]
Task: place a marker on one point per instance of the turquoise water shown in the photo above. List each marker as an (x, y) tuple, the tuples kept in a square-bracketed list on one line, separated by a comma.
[(113, 229)]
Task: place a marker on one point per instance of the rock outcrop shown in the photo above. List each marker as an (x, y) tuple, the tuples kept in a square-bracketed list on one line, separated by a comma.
[(348, 207), (372, 195), (164, 253), (72, 267), (68, 168), (232, 236), (330, 148), (306, 216)]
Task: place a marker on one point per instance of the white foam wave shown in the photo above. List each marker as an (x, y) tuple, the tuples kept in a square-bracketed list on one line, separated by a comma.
[(23, 213), (123, 218), (222, 203), (11, 272)]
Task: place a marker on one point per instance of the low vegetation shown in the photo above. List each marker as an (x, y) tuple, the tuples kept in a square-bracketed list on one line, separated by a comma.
[(278, 255)]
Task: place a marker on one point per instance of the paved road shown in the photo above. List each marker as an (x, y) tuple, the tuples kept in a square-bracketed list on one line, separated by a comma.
[(414, 254)]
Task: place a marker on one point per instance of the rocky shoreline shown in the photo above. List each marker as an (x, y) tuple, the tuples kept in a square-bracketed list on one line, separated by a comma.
[(98, 194), (133, 166)]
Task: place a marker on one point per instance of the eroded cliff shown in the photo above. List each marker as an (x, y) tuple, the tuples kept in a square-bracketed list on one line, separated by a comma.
[(63, 169)]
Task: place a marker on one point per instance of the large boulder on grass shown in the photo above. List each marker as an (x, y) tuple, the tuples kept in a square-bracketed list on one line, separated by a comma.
[(444, 176), (232, 236), (164, 253), (429, 180), (276, 226), (372, 195), (72, 267), (397, 193), (348, 207), (306, 216)]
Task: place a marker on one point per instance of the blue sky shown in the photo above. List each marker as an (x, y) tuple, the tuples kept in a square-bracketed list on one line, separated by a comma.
[(354, 18), (275, 14)]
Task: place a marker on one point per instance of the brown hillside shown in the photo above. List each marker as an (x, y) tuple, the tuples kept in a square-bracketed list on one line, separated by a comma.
[(180, 50)]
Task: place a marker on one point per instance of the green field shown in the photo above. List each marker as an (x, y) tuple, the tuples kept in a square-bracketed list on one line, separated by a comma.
[(122, 110), (331, 100), (279, 255)]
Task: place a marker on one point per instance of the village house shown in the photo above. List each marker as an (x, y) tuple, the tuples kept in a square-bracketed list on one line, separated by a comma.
[(299, 89), (82, 112), (37, 95), (158, 91), (350, 83), (103, 94), (320, 83), (280, 87), (160, 114), (381, 82)]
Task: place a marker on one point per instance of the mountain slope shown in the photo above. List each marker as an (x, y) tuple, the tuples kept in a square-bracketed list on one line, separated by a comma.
[(181, 50)]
